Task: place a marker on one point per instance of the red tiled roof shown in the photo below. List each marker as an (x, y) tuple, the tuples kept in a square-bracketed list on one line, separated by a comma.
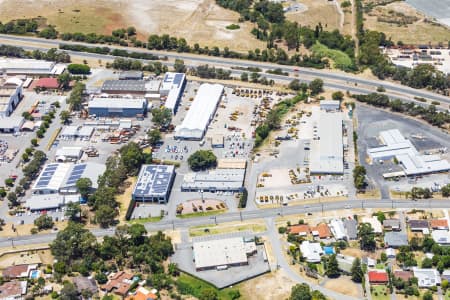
[(404, 275), (10, 289), (378, 276), (296, 229), (323, 230), (49, 83), (118, 284), (15, 271), (439, 223)]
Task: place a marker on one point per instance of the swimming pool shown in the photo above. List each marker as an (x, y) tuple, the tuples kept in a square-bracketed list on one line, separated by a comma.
[(35, 274)]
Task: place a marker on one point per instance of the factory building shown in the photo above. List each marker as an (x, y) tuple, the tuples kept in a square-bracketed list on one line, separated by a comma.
[(394, 144), (142, 88), (131, 75), (225, 180), (223, 253), (11, 124), (327, 146), (117, 107), (32, 67), (62, 177), (201, 113), (154, 183), (172, 88), (330, 105), (11, 92)]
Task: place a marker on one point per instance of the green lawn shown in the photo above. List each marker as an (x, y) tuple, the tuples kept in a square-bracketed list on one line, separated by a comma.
[(378, 292), (189, 285), (145, 220), (341, 59), (201, 214), (380, 266)]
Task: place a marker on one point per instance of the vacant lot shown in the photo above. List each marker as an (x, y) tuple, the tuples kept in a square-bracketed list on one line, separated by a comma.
[(345, 286), (413, 27), (274, 285), (199, 21), (315, 11)]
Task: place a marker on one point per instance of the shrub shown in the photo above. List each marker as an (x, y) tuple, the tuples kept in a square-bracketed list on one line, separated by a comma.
[(233, 27)]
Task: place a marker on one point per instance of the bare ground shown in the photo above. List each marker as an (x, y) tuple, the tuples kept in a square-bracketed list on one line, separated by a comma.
[(275, 285), (344, 286), (199, 21), (316, 11)]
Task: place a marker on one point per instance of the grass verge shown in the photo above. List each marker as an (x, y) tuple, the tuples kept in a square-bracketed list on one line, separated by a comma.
[(202, 214), (380, 292), (189, 285), (145, 220), (341, 59), (219, 229)]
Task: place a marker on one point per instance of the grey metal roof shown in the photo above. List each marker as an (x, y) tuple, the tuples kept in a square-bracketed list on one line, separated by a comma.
[(352, 228), (124, 85), (154, 180), (396, 239), (391, 223), (127, 75), (418, 223)]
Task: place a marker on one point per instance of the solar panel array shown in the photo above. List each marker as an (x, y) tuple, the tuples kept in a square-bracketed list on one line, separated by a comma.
[(76, 173), (177, 79), (153, 180), (47, 175)]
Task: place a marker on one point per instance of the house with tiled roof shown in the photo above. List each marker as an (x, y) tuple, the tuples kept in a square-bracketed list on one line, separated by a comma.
[(440, 224), (378, 277), (403, 275), (18, 271), (321, 231), (300, 229), (119, 283), (13, 290), (418, 225), (142, 294)]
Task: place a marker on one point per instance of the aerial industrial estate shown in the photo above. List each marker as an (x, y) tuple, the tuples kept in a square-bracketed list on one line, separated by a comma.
[(169, 169)]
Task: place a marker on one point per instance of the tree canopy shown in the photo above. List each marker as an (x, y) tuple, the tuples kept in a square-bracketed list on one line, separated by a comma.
[(202, 160)]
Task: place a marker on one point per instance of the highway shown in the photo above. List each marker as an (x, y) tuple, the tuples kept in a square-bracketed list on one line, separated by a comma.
[(248, 215), (332, 79)]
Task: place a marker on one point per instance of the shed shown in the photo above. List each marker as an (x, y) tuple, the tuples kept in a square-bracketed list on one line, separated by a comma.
[(395, 239)]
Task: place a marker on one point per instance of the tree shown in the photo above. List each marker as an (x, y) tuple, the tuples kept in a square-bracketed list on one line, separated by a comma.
[(359, 175), (244, 76), (131, 31), (380, 216), (73, 211), (332, 270), (316, 86), (427, 263), (428, 295), (356, 270), (84, 186), (161, 117), (446, 190), (295, 85), (79, 69), (337, 95), (64, 116), (154, 136), (208, 294), (105, 215), (12, 198), (132, 157), (300, 292), (202, 160), (101, 278), (366, 236), (44, 222), (179, 66), (69, 292), (64, 80), (34, 142)]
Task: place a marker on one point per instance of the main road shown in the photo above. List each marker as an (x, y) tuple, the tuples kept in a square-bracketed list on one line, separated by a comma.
[(332, 79), (248, 215)]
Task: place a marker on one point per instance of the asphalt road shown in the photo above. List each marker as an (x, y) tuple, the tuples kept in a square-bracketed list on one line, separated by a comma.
[(247, 215), (332, 79)]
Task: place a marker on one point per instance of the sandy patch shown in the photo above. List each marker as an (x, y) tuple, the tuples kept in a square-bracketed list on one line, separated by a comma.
[(315, 11), (276, 285), (344, 286)]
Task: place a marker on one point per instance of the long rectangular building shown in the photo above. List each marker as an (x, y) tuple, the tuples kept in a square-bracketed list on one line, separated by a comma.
[(226, 180), (327, 149), (132, 87), (201, 113), (412, 162), (11, 92), (117, 107), (154, 183), (172, 87), (20, 66)]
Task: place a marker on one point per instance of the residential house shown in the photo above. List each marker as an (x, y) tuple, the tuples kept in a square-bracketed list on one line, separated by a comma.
[(442, 237), (13, 290), (119, 283), (345, 263), (403, 275), (378, 277), (395, 239), (85, 283), (419, 225), (439, 224), (300, 229), (375, 223), (351, 226), (369, 262), (427, 278), (338, 229), (311, 251), (392, 225), (446, 275), (19, 271), (321, 231), (143, 294)]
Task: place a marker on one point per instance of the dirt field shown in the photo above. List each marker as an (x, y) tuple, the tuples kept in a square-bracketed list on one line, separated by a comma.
[(344, 286), (199, 21), (316, 11), (125, 198), (419, 32), (275, 285)]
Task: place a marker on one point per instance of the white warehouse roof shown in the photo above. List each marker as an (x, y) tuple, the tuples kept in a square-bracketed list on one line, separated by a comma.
[(327, 153), (30, 66), (221, 252), (201, 112), (136, 103)]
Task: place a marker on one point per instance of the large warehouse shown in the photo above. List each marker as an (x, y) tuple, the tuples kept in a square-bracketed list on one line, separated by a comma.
[(201, 112), (223, 253), (132, 87), (154, 183), (173, 87), (62, 177), (412, 162), (19, 66), (327, 149), (11, 92), (117, 107), (226, 180)]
